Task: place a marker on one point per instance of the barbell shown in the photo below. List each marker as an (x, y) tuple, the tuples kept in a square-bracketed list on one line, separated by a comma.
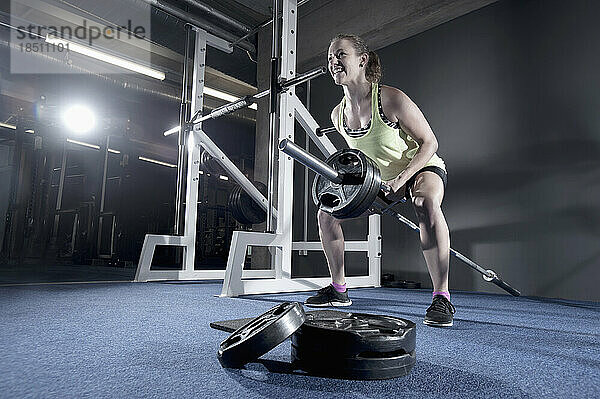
[(348, 184)]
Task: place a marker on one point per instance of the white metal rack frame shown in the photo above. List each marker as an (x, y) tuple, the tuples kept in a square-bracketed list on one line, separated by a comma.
[(236, 280)]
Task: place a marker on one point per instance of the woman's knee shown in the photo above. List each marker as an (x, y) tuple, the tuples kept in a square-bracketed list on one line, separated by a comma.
[(426, 207), (326, 221)]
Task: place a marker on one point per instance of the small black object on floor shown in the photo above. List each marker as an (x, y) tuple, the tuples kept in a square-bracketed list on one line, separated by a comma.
[(388, 280)]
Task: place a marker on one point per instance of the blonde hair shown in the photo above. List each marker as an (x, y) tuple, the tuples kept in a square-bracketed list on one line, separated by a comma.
[(373, 68)]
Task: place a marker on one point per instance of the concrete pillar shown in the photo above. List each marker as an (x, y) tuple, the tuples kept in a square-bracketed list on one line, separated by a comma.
[(260, 257)]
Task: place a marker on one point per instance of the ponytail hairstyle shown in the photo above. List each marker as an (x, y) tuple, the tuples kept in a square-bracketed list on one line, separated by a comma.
[(373, 68)]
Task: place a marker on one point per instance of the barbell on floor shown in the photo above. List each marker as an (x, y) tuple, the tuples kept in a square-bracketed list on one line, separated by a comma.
[(348, 184)]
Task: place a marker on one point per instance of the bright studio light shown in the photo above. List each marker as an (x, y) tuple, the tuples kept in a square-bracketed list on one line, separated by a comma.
[(79, 119)]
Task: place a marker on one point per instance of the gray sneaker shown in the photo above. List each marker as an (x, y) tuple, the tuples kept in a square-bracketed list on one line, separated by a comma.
[(328, 296)]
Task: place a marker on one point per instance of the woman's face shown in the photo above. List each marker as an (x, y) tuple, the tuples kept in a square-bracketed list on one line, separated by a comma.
[(344, 63)]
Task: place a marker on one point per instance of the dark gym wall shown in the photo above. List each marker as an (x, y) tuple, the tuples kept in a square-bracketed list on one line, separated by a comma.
[(512, 92)]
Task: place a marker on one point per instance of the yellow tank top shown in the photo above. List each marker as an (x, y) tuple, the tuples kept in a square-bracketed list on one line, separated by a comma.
[(391, 149)]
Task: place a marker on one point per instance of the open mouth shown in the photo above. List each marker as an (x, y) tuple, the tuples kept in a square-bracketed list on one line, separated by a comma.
[(337, 69)]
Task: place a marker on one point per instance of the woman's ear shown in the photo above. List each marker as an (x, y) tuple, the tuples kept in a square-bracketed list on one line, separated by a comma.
[(364, 59)]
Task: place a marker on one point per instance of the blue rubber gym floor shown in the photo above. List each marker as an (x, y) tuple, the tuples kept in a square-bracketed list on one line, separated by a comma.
[(154, 340)]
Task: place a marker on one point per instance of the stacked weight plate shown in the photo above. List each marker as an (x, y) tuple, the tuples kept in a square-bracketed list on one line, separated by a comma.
[(355, 346), (260, 335), (326, 343), (209, 165), (359, 188), (243, 208)]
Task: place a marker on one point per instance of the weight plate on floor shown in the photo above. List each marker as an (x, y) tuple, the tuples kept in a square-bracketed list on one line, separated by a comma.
[(260, 335), (351, 334), (368, 366)]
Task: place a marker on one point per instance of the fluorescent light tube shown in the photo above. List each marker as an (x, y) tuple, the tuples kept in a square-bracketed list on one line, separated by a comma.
[(102, 56), (171, 131), (170, 165), (6, 125), (96, 147)]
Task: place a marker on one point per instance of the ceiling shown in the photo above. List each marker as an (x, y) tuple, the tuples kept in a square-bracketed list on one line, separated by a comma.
[(379, 22)]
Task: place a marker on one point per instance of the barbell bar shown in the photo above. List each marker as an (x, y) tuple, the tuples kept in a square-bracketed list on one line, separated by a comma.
[(251, 99), (325, 130), (323, 169), (315, 164)]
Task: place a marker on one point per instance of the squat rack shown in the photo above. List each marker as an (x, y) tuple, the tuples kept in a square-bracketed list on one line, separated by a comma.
[(285, 109)]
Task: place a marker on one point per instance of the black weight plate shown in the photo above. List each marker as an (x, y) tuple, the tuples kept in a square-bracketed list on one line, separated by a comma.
[(334, 198), (352, 166), (350, 334), (356, 193), (362, 205), (371, 194), (243, 208), (214, 167), (209, 164), (260, 335), (353, 208), (341, 199), (252, 211), (402, 284), (238, 206), (374, 191), (351, 175), (261, 214), (232, 208), (234, 205), (204, 158), (361, 367), (229, 203)]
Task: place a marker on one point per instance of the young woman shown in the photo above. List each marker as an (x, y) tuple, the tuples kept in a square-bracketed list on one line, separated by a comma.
[(387, 126)]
